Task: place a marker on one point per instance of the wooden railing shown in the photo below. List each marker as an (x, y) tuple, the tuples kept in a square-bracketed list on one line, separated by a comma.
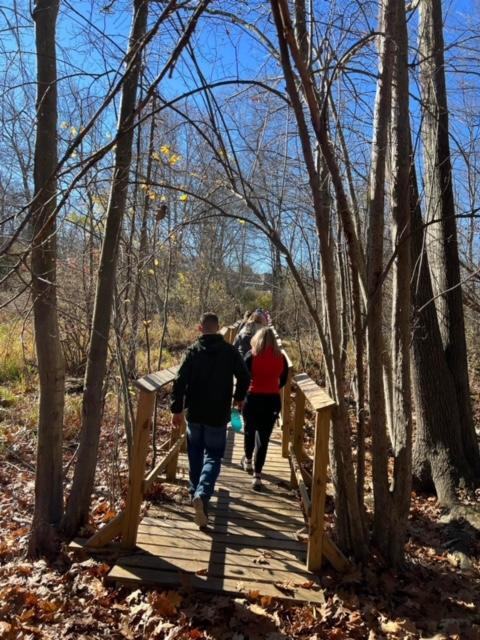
[(312, 488), (125, 524)]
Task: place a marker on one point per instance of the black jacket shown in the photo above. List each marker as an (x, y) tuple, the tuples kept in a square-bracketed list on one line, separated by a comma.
[(204, 382)]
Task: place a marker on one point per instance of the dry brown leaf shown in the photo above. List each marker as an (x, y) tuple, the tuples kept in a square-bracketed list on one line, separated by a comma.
[(253, 594), (165, 604), (266, 601), (202, 572)]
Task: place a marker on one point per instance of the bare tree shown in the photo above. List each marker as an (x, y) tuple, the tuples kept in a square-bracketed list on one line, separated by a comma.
[(440, 205), (49, 478), (78, 503)]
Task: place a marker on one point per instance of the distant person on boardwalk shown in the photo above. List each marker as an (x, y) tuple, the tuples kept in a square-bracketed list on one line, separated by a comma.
[(244, 320), (269, 371), (243, 340), (203, 388)]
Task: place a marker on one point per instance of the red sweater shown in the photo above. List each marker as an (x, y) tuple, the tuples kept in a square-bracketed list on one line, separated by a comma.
[(268, 371)]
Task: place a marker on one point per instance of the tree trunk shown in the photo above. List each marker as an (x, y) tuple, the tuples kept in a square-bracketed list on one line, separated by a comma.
[(142, 253), (376, 216), (442, 235), (49, 478), (349, 522), (438, 456), (79, 500), (401, 434)]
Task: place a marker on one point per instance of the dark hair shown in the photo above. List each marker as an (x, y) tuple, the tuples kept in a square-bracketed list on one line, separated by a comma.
[(209, 321)]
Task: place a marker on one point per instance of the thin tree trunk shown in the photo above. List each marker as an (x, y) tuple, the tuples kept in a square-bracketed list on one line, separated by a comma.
[(78, 504), (349, 522), (49, 478), (442, 235), (142, 252), (376, 216), (401, 435)]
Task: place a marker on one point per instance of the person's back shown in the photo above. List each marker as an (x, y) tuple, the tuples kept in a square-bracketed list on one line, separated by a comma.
[(244, 338), (203, 388), (266, 370), (211, 365), (269, 371)]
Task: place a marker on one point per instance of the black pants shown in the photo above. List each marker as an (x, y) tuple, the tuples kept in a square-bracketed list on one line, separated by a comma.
[(259, 413)]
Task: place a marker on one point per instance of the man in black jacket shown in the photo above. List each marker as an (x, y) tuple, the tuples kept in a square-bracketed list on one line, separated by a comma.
[(204, 389)]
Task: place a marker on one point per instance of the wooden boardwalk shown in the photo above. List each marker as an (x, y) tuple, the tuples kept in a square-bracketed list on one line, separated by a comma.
[(251, 546)]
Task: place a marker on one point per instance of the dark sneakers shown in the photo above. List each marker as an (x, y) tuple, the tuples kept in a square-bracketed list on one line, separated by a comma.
[(246, 465), (200, 515)]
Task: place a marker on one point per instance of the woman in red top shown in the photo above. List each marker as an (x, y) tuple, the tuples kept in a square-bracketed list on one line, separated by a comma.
[(269, 370)]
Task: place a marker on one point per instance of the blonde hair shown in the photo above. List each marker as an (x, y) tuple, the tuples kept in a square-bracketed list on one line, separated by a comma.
[(263, 339)]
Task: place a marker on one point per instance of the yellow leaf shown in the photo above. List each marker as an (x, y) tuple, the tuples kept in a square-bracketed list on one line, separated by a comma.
[(144, 187), (73, 131), (174, 158), (163, 199), (241, 222), (152, 195), (64, 125), (151, 272), (156, 156), (165, 148), (156, 262), (183, 197)]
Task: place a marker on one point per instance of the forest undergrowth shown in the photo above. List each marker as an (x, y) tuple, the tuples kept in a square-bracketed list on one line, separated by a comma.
[(435, 595)]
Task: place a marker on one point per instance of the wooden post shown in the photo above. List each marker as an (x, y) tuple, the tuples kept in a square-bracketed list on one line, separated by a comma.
[(298, 425), (286, 414), (137, 469), (171, 469), (319, 488)]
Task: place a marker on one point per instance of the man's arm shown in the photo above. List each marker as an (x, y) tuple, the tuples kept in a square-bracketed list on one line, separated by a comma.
[(177, 401), (242, 377)]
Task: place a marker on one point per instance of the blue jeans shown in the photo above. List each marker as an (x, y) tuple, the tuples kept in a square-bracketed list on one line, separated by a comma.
[(206, 447)]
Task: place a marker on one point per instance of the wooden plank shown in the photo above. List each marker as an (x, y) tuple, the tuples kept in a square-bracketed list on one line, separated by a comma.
[(153, 382), (222, 555), (315, 395), (150, 532), (260, 573), (302, 487), (288, 591), (215, 529), (162, 465), (177, 434), (187, 544), (245, 517), (107, 533), (299, 423), (218, 513), (137, 470), (286, 411), (319, 488)]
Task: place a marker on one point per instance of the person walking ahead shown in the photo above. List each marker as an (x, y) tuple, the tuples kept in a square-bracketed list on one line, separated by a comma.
[(203, 388), (269, 371)]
